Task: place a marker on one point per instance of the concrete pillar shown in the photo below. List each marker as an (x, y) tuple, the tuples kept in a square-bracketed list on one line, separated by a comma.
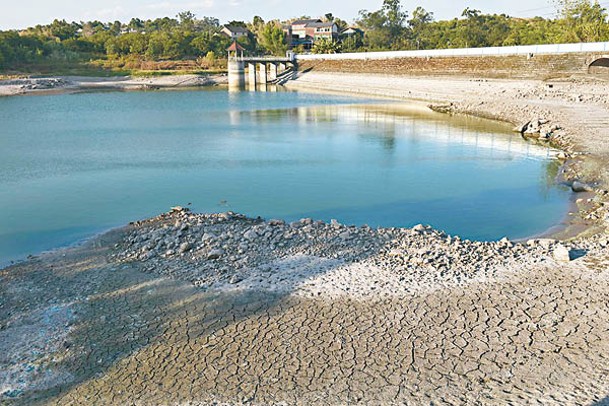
[(251, 74), (282, 67), (272, 71), (236, 75), (262, 77)]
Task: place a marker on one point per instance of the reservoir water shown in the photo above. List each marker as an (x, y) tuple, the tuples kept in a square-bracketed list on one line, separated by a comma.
[(73, 165)]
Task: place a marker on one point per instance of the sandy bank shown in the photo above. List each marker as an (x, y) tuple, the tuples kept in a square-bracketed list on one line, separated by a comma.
[(76, 83), (580, 107)]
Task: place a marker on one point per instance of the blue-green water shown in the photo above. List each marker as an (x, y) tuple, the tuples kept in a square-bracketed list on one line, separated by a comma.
[(74, 165)]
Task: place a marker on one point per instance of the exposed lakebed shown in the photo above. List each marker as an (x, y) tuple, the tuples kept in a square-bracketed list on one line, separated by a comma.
[(75, 164)]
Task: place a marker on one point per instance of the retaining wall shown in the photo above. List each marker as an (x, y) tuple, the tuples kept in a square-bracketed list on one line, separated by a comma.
[(509, 62)]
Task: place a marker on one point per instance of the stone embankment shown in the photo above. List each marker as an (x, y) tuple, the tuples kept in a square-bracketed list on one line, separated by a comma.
[(525, 66)]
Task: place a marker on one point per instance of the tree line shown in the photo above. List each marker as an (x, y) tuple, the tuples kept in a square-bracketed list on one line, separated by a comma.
[(390, 27)]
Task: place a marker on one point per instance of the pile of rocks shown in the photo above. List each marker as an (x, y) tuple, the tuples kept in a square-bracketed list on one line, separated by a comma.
[(38, 84), (538, 128), (208, 249)]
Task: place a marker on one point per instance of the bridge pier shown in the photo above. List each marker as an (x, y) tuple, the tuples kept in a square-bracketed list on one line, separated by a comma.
[(262, 76), (251, 74), (236, 74), (272, 71)]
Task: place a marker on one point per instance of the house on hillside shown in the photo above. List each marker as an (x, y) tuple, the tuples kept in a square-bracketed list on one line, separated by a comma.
[(351, 31), (234, 31), (305, 32)]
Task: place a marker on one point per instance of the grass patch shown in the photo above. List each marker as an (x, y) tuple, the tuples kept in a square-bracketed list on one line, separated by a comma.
[(154, 73), (108, 68)]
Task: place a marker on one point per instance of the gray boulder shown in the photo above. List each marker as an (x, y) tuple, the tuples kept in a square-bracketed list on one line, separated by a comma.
[(580, 187)]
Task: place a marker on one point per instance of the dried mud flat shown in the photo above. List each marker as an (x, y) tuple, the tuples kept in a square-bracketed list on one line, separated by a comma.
[(195, 309)]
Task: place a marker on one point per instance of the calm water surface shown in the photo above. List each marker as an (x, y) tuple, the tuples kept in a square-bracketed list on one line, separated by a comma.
[(74, 165)]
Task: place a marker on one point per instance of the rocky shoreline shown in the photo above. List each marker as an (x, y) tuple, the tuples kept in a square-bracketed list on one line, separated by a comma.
[(15, 87), (231, 251)]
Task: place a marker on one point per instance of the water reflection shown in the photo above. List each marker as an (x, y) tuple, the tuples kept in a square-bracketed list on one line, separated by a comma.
[(384, 123)]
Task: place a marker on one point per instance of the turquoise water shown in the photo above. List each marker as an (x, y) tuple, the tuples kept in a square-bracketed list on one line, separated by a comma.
[(76, 164)]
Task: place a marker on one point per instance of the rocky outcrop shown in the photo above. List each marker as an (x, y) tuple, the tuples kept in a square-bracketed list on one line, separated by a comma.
[(538, 128)]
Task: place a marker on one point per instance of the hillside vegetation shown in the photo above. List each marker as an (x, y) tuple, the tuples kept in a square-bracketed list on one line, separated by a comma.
[(188, 43)]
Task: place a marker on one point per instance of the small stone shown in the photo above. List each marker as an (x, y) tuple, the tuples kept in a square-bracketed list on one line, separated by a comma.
[(395, 253), (418, 228), (235, 279), (185, 247), (208, 237), (546, 243), (522, 128), (561, 253), (250, 235), (345, 235), (215, 254)]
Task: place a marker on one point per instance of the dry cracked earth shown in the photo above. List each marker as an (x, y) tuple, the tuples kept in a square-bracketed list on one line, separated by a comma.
[(80, 327)]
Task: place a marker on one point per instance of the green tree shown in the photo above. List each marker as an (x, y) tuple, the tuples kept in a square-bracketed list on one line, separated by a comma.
[(202, 43), (419, 25), (187, 20), (395, 18), (326, 46), (583, 21), (63, 30), (376, 35), (384, 28), (135, 25), (272, 38)]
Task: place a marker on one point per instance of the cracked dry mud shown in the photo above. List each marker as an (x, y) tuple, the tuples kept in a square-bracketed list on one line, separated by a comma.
[(124, 335)]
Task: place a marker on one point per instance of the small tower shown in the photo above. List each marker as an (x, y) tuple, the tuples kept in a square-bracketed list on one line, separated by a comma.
[(236, 67), (235, 50)]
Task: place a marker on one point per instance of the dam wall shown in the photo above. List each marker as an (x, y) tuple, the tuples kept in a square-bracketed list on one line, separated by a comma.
[(526, 62)]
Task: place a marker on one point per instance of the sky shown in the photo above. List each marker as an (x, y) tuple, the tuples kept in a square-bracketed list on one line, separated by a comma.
[(21, 14)]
